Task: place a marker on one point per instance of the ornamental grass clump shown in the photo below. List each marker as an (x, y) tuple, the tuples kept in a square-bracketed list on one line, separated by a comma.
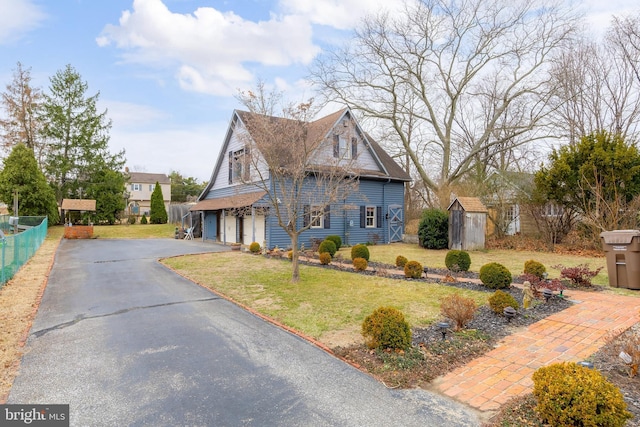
[(459, 309), (386, 328), (457, 260), (495, 276), (413, 270), (572, 395), (360, 251)]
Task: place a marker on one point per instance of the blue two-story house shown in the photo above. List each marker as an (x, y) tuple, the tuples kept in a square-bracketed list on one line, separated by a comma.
[(235, 206)]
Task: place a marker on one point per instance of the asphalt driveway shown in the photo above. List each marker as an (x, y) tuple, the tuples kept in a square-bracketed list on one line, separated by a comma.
[(125, 341)]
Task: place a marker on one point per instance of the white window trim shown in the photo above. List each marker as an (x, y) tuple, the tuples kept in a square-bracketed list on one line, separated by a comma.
[(316, 214), (368, 217)]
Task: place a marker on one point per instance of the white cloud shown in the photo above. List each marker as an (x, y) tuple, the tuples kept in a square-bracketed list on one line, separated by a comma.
[(208, 49), (17, 18), (340, 14)]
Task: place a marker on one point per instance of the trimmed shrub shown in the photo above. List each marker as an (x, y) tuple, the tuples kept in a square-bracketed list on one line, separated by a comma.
[(335, 239), (495, 276), (386, 328), (144, 220), (401, 261), (290, 255), (325, 258), (433, 229), (459, 309), (327, 246), (534, 268), (254, 247), (132, 219), (500, 299), (571, 395), (457, 260), (413, 270), (360, 251), (360, 264)]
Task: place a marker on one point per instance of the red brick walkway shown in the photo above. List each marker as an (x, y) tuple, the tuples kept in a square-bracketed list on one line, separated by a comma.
[(571, 335)]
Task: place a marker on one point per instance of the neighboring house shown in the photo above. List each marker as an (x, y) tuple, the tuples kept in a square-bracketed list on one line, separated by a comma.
[(140, 186), (505, 214), (234, 210)]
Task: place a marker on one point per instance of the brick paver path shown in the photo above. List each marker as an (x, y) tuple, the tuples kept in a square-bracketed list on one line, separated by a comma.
[(570, 335)]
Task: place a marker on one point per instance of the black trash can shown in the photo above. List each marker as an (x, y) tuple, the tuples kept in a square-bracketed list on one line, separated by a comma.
[(622, 248)]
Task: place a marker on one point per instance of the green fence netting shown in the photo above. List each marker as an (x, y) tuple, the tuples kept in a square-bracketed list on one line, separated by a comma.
[(21, 237)]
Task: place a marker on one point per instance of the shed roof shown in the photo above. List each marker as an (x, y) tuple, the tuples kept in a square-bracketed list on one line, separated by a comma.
[(78, 205), (470, 204), (229, 202)]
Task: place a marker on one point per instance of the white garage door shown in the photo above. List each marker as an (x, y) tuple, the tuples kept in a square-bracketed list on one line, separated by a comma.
[(253, 229)]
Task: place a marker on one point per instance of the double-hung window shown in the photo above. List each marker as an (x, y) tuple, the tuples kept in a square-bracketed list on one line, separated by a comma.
[(370, 217), (317, 217)]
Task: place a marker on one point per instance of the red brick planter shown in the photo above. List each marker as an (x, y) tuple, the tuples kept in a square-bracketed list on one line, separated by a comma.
[(78, 232)]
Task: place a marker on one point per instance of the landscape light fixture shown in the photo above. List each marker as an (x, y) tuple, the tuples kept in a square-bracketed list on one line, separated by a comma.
[(586, 364), (443, 328), (509, 312), (546, 293)]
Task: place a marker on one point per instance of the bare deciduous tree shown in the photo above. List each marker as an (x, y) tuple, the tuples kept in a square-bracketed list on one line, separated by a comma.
[(292, 163), (458, 82), (21, 102)]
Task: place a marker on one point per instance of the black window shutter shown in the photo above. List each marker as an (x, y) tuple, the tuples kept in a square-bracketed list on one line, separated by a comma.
[(378, 216), (327, 216), (363, 223), (230, 167), (306, 215), (354, 147), (336, 145)]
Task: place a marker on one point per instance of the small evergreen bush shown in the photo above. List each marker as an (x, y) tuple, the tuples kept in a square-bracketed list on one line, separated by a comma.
[(401, 261), (132, 219), (495, 276), (535, 268), (457, 260), (325, 258), (360, 264), (413, 270), (459, 309), (500, 300), (327, 246), (254, 247), (143, 220), (360, 251), (571, 395), (335, 239), (433, 229), (386, 328)]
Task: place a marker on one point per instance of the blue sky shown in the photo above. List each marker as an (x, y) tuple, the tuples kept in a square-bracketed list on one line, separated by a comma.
[(167, 70)]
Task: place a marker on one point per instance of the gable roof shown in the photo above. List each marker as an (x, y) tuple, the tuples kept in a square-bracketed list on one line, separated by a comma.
[(317, 131), (148, 178), (470, 204), (78, 205)]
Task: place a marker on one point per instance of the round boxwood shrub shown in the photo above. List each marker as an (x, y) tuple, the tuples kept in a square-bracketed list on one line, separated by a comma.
[(325, 258), (534, 268), (433, 229), (495, 276), (386, 328), (360, 251), (500, 299), (401, 261), (457, 260), (327, 246), (571, 395), (254, 247), (360, 264), (413, 270), (335, 239)]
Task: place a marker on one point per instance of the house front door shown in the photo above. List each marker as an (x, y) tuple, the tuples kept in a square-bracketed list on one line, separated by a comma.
[(395, 223)]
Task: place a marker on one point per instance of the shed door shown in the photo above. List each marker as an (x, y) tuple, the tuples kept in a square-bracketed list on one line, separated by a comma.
[(457, 222), (210, 226), (395, 223)]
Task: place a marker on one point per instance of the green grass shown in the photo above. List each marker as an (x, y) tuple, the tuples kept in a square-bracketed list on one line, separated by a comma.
[(513, 260), (136, 231), (323, 301)]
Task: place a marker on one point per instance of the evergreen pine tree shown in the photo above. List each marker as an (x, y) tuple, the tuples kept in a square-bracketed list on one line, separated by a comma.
[(22, 174), (158, 214)]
